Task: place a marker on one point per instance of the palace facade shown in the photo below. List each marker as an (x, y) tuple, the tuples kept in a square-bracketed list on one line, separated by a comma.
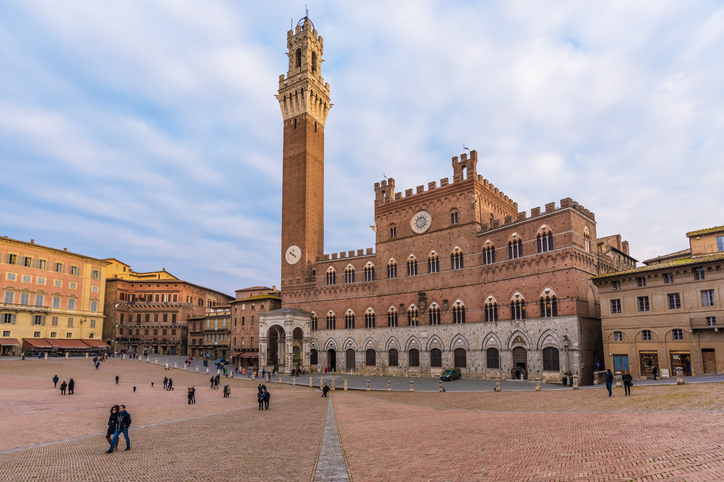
[(459, 276)]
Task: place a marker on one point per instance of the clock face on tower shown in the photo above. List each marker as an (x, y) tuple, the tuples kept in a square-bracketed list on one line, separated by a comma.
[(421, 222), (293, 254)]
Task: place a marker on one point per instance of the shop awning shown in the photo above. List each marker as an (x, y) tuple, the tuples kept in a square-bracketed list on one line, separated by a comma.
[(37, 344), (236, 353), (249, 355), (9, 342), (70, 344), (95, 343)]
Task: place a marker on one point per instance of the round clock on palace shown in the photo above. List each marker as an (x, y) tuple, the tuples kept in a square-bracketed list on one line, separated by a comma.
[(293, 254), (421, 222)]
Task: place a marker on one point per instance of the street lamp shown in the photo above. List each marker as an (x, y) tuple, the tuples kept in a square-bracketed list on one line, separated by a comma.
[(566, 344)]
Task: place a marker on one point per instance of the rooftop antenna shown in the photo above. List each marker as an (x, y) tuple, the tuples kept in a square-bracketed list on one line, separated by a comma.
[(306, 10)]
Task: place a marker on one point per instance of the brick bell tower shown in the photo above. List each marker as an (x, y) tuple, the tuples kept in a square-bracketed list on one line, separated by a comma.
[(304, 100)]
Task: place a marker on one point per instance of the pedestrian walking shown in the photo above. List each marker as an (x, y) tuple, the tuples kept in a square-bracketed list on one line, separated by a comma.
[(63, 386), (134, 388), (112, 424), (609, 381), (193, 394), (170, 384), (117, 379), (627, 382), (189, 396), (325, 390), (165, 382), (71, 386), (260, 399), (98, 364), (267, 396), (151, 384), (227, 391), (55, 381), (655, 371), (212, 382), (124, 423)]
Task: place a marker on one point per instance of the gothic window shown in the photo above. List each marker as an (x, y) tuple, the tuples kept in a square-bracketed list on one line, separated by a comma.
[(433, 263), (454, 217), (314, 321), (393, 358), (369, 272), (331, 277), (412, 266), (331, 320), (434, 314), (413, 357), (393, 232), (370, 319), (392, 269), (458, 313), (515, 248), (413, 316), (370, 358), (550, 359), (548, 307), (493, 358), (545, 240), (299, 58), (491, 311), (517, 309), (314, 61), (349, 274), (489, 254), (492, 219), (392, 318), (456, 259), (436, 358), (313, 357), (349, 320), (461, 359)]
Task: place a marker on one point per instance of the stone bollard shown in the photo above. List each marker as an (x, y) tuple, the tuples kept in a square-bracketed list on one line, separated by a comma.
[(66, 355), (148, 359), (680, 376), (184, 366), (310, 382), (321, 383), (575, 382), (412, 386), (267, 377), (123, 357), (280, 378), (345, 384), (498, 388), (197, 369), (368, 385), (442, 388), (333, 387), (156, 361), (175, 365), (207, 370), (537, 384), (389, 386), (294, 380)]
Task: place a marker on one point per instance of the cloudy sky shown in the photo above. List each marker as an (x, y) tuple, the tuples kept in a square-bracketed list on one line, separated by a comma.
[(148, 130)]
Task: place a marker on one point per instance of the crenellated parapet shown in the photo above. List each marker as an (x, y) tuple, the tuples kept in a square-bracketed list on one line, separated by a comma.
[(536, 212), (302, 89)]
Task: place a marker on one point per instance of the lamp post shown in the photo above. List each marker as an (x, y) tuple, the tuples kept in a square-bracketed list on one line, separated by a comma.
[(566, 344)]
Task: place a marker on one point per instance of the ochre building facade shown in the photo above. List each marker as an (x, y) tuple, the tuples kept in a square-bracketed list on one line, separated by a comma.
[(459, 277)]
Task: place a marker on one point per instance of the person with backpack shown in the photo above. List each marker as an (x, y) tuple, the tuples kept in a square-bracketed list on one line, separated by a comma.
[(55, 381)]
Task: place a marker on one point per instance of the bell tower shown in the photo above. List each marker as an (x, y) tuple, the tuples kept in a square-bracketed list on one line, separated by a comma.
[(304, 101)]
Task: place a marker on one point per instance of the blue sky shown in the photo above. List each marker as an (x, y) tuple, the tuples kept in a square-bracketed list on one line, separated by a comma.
[(149, 132)]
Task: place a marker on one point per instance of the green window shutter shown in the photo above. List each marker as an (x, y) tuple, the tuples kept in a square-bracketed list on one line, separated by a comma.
[(14, 319)]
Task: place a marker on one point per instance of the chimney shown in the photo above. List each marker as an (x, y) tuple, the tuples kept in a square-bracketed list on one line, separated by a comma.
[(32, 241), (65, 249), (624, 245)]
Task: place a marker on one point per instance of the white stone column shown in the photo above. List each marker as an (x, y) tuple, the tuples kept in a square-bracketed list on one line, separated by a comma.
[(262, 352), (306, 352), (289, 353)]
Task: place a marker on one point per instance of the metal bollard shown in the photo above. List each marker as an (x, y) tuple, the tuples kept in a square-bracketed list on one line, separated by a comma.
[(575, 382), (389, 386), (310, 383), (368, 385), (537, 384), (680, 376), (497, 385), (333, 387), (294, 380), (412, 387), (345, 384)]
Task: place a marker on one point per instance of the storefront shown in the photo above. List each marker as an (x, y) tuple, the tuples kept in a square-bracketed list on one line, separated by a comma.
[(649, 360), (9, 347), (681, 359)]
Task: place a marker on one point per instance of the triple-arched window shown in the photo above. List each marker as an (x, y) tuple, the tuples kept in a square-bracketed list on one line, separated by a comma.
[(331, 320), (331, 276), (548, 306), (489, 254), (458, 311), (545, 241), (349, 320), (517, 309), (491, 311), (369, 272), (456, 258), (314, 321), (433, 263), (434, 312), (392, 269), (349, 274), (413, 316), (370, 319), (392, 317), (515, 248), (412, 266)]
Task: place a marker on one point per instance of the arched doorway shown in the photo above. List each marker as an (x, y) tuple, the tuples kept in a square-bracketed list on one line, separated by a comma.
[(298, 348), (297, 356), (349, 359), (332, 359), (276, 346), (520, 361)]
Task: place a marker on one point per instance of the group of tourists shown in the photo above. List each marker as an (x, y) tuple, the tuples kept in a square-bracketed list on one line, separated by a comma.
[(192, 395), (69, 386), (167, 383), (118, 423), (626, 378), (215, 382), (263, 397)]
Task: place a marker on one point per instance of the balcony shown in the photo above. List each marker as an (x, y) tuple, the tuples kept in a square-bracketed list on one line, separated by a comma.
[(711, 321), (20, 307)]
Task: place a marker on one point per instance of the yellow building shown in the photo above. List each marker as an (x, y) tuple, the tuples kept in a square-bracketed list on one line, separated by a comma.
[(119, 269), (48, 293)]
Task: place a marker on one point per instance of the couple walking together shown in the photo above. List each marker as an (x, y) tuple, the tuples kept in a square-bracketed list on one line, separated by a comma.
[(118, 422)]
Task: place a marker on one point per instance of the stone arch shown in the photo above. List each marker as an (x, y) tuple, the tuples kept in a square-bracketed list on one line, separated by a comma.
[(518, 338), (330, 344), (549, 338), (270, 326), (491, 340), (547, 291), (459, 341), (413, 342), (370, 344), (393, 342), (350, 343), (435, 342), (314, 344), (624, 337)]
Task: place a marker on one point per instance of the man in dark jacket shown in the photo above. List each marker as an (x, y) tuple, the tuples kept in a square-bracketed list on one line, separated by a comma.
[(212, 380), (124, 423), (609, 381), (63, 387), (71, 386), (627, 382), (325, 390), (267, 396)]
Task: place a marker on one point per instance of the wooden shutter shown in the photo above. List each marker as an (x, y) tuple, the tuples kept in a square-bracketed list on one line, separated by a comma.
[(13, 319), (42, 320)]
